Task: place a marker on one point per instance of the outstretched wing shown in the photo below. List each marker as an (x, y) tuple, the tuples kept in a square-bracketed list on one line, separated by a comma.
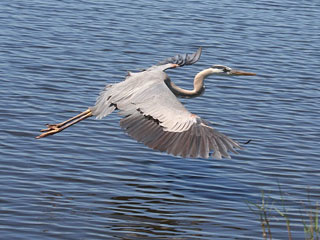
[(162, 123), (199, 141), (183, 59)]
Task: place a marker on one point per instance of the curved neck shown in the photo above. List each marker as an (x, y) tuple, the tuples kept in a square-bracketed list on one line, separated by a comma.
[(198, 85)]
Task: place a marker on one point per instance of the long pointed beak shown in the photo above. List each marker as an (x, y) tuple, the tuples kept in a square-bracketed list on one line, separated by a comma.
[(238, 72)]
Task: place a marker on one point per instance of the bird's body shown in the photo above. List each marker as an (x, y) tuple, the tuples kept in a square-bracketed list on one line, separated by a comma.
[(148, 95), (152, 114)]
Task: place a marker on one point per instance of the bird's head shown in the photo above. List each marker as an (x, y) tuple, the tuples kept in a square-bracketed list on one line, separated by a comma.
[(224, 70)]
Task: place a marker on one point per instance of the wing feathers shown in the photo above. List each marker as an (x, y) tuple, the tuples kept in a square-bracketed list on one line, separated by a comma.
[(183, 59), (198, 141)]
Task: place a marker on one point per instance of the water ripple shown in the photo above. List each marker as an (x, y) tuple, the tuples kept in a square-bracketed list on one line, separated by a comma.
[(93, 181)]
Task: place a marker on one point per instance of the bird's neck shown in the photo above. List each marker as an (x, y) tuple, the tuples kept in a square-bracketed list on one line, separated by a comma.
[(198, 85)]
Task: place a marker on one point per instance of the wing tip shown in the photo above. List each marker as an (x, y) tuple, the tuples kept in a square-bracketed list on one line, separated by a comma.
[(185, 59)]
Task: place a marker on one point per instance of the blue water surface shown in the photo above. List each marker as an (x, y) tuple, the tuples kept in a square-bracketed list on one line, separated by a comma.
[(94, 182)]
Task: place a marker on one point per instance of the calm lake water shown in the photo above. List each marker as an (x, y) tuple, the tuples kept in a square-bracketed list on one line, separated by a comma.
[(94, 182)]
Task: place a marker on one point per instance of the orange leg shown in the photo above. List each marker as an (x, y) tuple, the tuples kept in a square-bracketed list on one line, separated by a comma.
[(55, 128)]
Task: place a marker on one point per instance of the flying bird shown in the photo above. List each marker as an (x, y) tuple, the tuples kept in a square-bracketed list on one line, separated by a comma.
[(152, 114)]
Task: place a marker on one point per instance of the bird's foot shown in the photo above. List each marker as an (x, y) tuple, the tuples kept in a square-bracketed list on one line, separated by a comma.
[(55, 128), (52, 129)]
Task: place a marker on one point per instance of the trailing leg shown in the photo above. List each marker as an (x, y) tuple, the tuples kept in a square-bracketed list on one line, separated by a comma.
[(55, 128)]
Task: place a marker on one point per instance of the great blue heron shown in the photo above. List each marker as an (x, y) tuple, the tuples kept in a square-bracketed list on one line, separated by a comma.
[(153, 115)]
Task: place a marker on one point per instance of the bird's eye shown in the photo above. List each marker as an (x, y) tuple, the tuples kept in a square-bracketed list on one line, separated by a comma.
[(226, 70)]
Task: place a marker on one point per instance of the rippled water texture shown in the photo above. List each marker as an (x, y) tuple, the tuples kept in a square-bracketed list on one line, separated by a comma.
[(94, 182)]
